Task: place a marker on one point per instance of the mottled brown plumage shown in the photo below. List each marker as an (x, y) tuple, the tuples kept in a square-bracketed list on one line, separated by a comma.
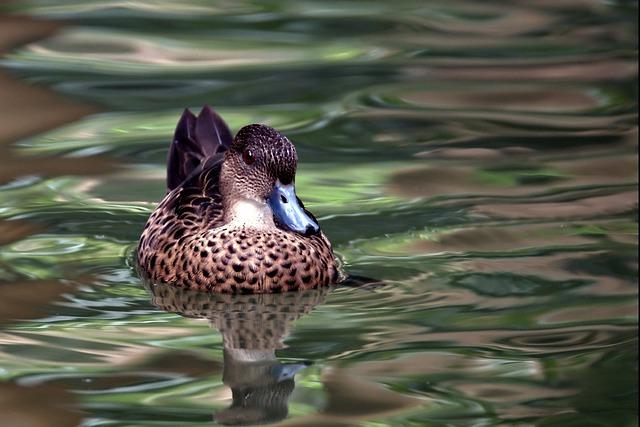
[(230, 221)]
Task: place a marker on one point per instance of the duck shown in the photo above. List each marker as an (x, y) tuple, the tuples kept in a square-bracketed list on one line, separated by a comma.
[(231, 221)]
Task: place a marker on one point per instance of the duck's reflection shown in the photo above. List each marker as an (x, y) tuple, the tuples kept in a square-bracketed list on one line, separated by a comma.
[(260, 387), (253, 327)]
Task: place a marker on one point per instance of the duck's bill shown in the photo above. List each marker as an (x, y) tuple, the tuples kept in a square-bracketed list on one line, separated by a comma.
[(288, 211), (288, 371)]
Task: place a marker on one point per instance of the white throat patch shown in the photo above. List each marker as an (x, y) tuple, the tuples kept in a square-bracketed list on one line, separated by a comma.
[(249, 213)]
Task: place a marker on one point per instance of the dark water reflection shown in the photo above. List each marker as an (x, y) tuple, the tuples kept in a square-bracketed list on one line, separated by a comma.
[(252, 328), (479, 158)]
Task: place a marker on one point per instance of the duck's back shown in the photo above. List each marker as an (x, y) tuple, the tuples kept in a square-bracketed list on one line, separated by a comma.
[(193, 202)]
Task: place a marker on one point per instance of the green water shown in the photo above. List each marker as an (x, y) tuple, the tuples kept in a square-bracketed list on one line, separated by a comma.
[(480, 158)]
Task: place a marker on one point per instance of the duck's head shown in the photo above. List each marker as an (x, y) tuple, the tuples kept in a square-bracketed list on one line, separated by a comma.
[(257, 182)]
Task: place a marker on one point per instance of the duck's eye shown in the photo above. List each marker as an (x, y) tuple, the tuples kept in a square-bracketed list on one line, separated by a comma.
[(248, 157)]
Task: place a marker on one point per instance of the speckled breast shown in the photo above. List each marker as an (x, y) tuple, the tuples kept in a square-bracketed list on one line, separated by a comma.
[(242, 260)]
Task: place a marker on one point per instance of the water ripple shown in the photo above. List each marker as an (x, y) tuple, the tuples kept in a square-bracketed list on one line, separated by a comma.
[(477, 159)]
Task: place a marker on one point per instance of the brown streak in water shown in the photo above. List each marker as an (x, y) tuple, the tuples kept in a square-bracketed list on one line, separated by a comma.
[(603, 314), (506, 22), (154, 364), (496, 239), (426, 181), (23, 300), (577, 338), (27, 109), (14, 231), (511, 400), (18, 409), (581, 71), (566, 122), (451, 152), (611, 204), (352, 400), (505, 98)]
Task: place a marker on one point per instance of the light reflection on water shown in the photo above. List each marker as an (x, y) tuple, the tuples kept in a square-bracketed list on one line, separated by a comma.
[(479, 158)]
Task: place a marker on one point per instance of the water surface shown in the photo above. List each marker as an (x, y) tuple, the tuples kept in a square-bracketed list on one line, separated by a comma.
[(480, 158)]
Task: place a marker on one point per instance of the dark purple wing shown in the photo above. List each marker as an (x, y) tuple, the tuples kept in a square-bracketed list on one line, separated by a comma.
[(197, 140)]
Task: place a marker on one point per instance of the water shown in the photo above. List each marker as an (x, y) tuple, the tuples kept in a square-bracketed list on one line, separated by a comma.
[(478, 157)]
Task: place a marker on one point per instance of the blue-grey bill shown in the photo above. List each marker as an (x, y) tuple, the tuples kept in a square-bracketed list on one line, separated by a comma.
[(289, 212), (287, 372)]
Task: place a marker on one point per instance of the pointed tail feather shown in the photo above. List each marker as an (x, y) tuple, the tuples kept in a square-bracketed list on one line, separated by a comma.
[(196, 139)]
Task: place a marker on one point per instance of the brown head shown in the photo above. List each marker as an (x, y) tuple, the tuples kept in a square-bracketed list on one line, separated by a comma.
[(257, 181)]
